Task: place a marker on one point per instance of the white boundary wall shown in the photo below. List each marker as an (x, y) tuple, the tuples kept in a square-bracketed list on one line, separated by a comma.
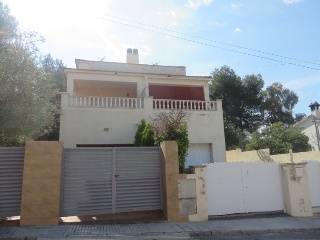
[(242, 187), (313, 171)]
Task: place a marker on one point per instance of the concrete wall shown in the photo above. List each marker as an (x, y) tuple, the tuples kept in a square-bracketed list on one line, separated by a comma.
[(199, 174), (40, 202), (296, 190), (187, 202), (263, 155), (86, 126), (237, 155), (170, 180)]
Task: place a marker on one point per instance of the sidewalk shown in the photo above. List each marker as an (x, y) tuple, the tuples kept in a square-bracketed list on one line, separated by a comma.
[(212, 227)]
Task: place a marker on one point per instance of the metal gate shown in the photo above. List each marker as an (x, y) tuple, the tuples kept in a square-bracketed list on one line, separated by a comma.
[(110, 180), (11, 172)]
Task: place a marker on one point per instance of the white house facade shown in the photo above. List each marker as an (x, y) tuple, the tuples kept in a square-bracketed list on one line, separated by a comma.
[(311, 125), (105, 101)]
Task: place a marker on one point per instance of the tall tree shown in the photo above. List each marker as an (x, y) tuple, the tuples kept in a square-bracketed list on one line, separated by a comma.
[(54, 69), (26, 91), (227, 85), (278, 103), (241, 103), (234, 136), (241, 97), (8, 24)]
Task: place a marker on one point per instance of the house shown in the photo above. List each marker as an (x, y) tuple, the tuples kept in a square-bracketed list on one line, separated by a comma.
[(310, 126), (105, 101)]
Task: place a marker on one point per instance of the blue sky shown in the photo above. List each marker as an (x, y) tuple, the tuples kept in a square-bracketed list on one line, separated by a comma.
[(203, 35)]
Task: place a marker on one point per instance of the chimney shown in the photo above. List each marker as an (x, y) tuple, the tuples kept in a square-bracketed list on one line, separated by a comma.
[(132, 56), (315, 109)]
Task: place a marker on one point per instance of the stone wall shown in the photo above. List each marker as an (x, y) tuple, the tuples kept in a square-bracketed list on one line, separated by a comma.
[(40, 202), (263, 155)]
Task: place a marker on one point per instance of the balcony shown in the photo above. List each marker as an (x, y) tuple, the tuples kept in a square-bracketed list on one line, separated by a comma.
[(104, 102), (137, 103)]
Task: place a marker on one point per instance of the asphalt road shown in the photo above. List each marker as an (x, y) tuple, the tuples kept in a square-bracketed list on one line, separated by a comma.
[(274, 236), (306, 235)]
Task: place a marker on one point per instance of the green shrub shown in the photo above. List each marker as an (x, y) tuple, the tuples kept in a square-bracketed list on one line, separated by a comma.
[(144, 135)]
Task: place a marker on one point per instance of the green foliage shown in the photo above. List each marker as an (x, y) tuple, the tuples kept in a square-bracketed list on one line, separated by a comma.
[(172, 126), (144, 135), (166, 126), (234, 136), (278, 104), (279, 138), (241, 99), (54, 69), (183, 145), (247, 107), (27, 89)]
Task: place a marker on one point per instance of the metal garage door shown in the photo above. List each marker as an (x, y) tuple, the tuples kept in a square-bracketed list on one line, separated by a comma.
[(11, 171), (111, 180), (198, 154)]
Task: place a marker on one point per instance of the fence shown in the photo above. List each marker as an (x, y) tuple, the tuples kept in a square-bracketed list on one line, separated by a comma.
[(313, 169), (11, 170), (243, 188)]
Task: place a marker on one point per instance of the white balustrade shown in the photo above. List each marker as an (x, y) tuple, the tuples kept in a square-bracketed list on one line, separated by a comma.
[(184, 104), (113, 102), (104, 102)]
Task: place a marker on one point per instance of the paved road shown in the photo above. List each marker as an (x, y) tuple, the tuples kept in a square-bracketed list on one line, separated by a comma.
[(180, 230), (308, 235)]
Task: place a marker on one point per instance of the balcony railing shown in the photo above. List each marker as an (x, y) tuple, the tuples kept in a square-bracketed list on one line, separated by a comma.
[(184, 104), (104, 102), (138, 103)]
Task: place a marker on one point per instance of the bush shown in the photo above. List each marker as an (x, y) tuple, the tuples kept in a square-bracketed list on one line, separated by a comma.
[(144, 135)]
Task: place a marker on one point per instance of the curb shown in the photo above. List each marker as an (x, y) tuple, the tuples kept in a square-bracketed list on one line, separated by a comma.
[(249, 232)]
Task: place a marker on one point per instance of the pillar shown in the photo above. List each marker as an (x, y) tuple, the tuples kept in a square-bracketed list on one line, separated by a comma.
[(40, 201), (296, 190)]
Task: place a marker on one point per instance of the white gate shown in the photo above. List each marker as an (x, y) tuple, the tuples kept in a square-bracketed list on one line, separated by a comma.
[(313, 170), (243, 187)]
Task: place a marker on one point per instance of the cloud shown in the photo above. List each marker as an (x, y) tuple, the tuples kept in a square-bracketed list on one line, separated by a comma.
[(235, 6), (172, 13), (194, 4), (220, 24), (237, 30), (291, 1)]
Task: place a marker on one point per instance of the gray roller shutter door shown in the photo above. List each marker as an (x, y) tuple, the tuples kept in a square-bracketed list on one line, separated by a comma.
[(11, 174), (138, 184), (87, 181), (198, 154), (110, 180)]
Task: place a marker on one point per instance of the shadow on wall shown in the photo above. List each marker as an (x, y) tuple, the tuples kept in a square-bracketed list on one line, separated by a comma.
[(264, 156)]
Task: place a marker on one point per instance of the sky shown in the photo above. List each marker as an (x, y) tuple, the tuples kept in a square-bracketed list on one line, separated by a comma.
[(278, 39)]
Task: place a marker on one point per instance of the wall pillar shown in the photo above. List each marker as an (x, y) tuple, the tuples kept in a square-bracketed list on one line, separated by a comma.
[(64, 99), (40, 201), (296, 190), (198, 173), (170, 179)]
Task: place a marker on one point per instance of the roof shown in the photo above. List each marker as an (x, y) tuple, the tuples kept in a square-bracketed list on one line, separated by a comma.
[(310, 117), (138, 73), (83, 60)]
